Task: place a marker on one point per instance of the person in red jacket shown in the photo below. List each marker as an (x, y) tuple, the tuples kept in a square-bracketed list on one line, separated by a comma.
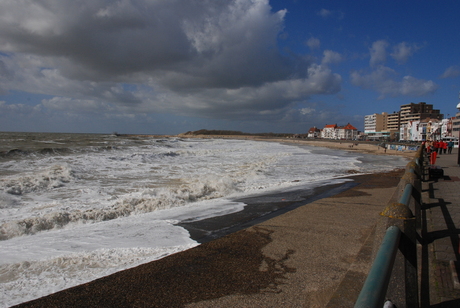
[(434, 146), (440, 147), (444, 147)]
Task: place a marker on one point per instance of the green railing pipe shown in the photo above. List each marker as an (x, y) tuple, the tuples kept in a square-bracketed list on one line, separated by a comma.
[(406, 195), (375, 287)]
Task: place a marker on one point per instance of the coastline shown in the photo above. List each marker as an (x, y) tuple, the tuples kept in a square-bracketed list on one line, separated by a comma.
[(243, 266), (346, 145), (297, 259)]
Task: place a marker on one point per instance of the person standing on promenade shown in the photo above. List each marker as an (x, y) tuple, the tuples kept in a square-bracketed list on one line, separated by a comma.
[(434, 146), (450, 145), (444, 146), (439, 147)]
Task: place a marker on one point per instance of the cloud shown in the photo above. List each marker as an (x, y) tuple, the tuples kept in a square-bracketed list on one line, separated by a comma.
[(451, 72), (207, 58), (313, 43), (332, 57), (403, 51), (378, 52), (324, 13), (307, 110), (384, 80)]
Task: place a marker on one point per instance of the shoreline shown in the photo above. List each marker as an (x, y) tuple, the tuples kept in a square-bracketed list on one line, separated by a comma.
[(295, 258), (244, 250), (346, 145)]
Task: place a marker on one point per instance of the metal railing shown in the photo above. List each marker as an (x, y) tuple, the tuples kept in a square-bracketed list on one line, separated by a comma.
[(400, 239), (374, 290)]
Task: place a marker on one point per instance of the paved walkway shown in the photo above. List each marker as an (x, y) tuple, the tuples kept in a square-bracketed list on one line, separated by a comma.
[(441, 210)]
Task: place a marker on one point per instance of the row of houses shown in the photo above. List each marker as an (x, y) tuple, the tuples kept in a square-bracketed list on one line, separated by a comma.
[(332, 131), (427, 129)]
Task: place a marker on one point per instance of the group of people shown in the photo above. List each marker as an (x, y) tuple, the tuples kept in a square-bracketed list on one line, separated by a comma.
[(439, 147)]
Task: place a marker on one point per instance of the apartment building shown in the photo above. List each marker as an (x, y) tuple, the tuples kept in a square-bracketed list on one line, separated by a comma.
[(398, 124), (393, 121), (417, 112), (375, 123)]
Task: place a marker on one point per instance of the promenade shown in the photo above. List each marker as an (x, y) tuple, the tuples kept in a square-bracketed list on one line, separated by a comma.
[(441, 210)]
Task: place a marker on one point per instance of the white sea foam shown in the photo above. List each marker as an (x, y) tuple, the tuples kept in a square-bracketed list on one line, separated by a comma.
[(52, 177), (109, 203)]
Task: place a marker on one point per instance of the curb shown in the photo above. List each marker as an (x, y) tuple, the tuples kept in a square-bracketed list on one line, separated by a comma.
[(453, 269)]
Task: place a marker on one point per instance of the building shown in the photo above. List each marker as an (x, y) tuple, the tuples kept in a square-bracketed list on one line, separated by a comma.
[(314, 132), (347, 132), (393, 121), (456, 123), (329, 131), (399, 125), (375, 126), (418, 112), (375, 123)]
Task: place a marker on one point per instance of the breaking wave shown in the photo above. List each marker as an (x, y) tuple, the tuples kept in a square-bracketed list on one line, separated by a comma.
[(53, 151), (53, 177), (146, 202)]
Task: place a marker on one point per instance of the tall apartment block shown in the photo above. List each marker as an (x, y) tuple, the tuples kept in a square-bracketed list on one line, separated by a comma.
[(418, 112)]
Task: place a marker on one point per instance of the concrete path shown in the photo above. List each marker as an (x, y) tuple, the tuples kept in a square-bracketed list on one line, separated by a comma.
[(441, 208)]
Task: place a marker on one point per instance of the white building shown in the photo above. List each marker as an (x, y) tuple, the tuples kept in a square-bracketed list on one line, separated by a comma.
[(347, 132), (329, 132)]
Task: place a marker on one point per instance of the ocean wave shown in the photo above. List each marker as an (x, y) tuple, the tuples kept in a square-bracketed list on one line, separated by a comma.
[(157, 199), (144, 157), (53, 177), (20, 153)]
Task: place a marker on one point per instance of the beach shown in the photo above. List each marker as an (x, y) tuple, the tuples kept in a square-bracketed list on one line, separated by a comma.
[(346, 145), (306, 227)]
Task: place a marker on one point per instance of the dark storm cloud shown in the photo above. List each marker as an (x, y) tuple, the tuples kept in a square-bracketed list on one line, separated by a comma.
[(202, 57)]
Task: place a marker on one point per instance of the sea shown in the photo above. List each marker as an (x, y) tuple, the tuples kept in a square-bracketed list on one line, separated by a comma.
[(77, 207)]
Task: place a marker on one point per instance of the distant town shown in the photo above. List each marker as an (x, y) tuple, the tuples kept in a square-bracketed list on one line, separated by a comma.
[(413, 122)]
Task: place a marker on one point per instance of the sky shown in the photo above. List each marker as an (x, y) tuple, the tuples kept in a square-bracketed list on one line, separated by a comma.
[(172, 66)]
